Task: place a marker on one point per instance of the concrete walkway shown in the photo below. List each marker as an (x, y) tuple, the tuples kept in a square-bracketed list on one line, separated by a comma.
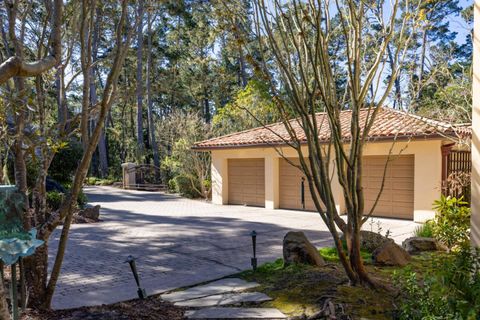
[(178, 242)]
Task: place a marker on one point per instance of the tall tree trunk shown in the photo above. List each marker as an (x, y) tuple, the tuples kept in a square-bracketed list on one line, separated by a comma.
[(20, 114), (397, 101), (140, 142), (241, 60), (151, 124), (422, 67), (4, 314), (102, 145), (62, 112), (86, 65)]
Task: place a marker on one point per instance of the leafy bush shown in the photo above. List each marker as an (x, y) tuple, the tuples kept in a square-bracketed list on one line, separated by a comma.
[(424, 230), (452, 221), (184, 186), (451, 290), (66, 160), (172, 185), (54, 200), (82, 199), (94, 181)]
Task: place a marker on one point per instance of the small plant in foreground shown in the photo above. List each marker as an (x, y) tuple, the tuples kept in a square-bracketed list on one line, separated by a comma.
[(424, 230), (452, 221), (54, 199), (450, 290)]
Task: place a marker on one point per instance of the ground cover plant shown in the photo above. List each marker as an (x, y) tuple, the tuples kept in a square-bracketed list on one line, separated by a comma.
[(302, 291)]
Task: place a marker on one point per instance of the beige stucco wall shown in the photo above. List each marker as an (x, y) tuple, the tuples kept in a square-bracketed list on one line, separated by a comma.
[(428, 162), (475, 205)]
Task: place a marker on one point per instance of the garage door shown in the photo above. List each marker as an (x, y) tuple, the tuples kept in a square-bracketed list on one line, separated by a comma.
[(291, 187), (246, 182), (396, 200)]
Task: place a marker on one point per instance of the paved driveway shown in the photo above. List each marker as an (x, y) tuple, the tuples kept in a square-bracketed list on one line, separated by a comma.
[(178, 242)]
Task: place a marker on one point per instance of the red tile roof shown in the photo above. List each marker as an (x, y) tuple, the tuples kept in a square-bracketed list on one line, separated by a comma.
[(388, 125)]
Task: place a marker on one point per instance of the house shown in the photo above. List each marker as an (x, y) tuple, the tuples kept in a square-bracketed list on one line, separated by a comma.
[(250, 167)]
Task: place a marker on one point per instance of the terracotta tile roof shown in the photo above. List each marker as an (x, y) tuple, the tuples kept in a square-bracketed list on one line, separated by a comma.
[(389, 124)]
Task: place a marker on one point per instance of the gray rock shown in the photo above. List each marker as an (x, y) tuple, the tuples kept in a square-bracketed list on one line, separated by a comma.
[(92, 213), (416, 245), (235, 313), (370, 241), (390, 254), (298, 249), (224, 299), (213, 288)]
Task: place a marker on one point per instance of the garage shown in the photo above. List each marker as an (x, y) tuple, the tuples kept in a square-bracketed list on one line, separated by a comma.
[(246, 182), (396, 200), (290, 185)]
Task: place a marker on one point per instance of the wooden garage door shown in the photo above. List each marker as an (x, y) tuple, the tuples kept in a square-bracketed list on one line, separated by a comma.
[(246, 182), (396, 200), (291, 187)]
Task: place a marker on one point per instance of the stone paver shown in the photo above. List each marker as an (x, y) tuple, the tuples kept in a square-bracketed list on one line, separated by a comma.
[(209, 289), (235, 313), (224, 299), (178, 242)]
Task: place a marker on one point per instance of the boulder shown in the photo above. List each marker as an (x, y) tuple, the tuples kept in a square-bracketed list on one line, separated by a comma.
[(298, 249), (92, 213), (416, 245), (390, 254), (370, 241)]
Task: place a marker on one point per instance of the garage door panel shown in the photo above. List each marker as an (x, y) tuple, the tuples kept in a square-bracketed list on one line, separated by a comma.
[(246, 182), (397, 196), (290, 187)]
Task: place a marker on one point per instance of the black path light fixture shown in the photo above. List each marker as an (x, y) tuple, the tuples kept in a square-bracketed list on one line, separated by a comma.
[(142, 294), (302, 192), (253, 234)]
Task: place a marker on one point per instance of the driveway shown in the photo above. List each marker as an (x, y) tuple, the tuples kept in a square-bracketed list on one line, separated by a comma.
[(178, 242)]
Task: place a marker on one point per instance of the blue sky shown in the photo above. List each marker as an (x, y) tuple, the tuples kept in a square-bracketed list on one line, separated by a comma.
[(458, 24)]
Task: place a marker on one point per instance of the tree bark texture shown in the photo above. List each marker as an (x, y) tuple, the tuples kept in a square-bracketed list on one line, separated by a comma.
[(139, 75)]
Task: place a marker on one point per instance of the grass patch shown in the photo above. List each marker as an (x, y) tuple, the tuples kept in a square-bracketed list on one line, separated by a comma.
[(330, 254)]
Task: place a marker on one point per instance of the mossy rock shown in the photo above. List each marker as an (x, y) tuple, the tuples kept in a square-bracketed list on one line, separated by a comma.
[(370, 241)]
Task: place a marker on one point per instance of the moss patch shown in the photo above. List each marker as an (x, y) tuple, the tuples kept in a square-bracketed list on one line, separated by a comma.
[(302, 290)]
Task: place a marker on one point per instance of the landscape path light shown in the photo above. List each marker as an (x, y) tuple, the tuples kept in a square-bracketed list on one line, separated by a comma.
[(253, 234), (142, 294)]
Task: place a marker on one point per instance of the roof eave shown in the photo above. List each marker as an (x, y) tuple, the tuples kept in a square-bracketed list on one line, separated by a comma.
[(283, 144)]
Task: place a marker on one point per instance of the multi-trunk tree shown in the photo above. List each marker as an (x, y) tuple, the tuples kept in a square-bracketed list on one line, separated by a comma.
[(309, 73)]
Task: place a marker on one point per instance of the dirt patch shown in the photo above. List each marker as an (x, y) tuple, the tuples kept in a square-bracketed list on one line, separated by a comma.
[(151, 308)]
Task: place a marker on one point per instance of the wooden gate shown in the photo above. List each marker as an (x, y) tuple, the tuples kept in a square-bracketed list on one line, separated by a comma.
[(456, 172)]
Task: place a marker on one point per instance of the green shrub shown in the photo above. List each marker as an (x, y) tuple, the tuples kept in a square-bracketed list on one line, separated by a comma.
[(91, 181), (451, 290), (452, 221), (172, 185), (54, 200), (184, 187), (424, 230), (66, 160), (82, 199)]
